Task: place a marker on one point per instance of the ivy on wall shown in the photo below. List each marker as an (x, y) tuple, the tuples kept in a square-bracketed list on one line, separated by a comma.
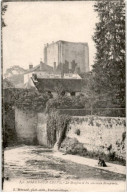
[(57, 125), (32, 100)]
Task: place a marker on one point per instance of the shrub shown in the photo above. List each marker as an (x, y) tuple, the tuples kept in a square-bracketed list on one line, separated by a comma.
[(112, 156), (75, 112), (66, 102), (31, 100), (72, 146), (109, 147)]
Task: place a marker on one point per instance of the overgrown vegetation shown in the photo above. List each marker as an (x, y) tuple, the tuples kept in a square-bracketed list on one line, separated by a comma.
[(73, 146), (27, 100), (9, 133), (31, 100), (67, 102), (57, 126)]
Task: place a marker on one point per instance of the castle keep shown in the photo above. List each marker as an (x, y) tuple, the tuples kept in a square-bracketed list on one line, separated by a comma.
[(69, 53)]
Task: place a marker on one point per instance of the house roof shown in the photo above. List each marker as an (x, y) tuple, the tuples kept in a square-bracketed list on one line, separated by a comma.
[(41, 67), (50, 84), (62, 41)]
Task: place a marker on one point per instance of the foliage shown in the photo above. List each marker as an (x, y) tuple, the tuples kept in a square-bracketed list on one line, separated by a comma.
[(62, 101), (109, 38), (111, 112), (7, 84), (9, 133), (62, 127), (72, 146), (67, 102), (111, 156), (59, 90), (75, 112), (14, 70), (31, 100), (51, 128), (57, 126)]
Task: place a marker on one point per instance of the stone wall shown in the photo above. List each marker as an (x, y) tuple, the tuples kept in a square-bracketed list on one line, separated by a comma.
[(25, 125), (31, 127), (99, 133), (102, 134), (41, 129)]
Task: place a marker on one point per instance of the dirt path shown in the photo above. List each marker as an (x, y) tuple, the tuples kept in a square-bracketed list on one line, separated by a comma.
[(37, 163)]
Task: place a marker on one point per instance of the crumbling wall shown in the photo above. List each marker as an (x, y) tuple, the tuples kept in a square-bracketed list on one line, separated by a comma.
[(103, 134)]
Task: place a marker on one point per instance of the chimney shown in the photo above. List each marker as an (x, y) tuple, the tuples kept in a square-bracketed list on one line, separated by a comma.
[(30, 66), (70, 66), (41, 65), (54, 67)]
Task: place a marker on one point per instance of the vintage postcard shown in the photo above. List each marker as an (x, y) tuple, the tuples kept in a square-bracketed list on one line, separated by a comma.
[(63, 96)]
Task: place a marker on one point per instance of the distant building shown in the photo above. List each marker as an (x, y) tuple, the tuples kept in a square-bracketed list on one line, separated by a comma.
[(69, 86), (70, 54), (41, 70), (46, 79)]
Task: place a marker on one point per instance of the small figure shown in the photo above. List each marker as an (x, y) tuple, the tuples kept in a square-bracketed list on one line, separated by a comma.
[(101, 163)]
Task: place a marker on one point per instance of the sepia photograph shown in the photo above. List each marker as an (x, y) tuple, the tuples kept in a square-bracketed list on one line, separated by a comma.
[(63, 94)]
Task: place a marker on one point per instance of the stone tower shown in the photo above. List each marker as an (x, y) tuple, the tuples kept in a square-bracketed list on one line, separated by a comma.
[(61, 52)]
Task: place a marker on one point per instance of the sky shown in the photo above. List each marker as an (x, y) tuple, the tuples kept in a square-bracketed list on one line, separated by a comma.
[(30, 25)]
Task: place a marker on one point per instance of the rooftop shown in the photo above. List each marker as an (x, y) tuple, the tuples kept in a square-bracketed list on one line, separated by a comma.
[(62, 41), (42, 67), (50, 84)]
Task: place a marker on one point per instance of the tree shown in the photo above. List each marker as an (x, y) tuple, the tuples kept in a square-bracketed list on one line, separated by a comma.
[(109, 38)]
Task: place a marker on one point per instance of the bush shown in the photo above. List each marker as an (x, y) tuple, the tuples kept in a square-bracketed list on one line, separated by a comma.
[(112, 156), (75, 112), (31, 100), (66, 102), (110, 112), (72, 146)]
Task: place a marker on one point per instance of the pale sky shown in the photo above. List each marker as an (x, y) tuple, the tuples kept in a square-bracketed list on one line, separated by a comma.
[(32, 24)]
